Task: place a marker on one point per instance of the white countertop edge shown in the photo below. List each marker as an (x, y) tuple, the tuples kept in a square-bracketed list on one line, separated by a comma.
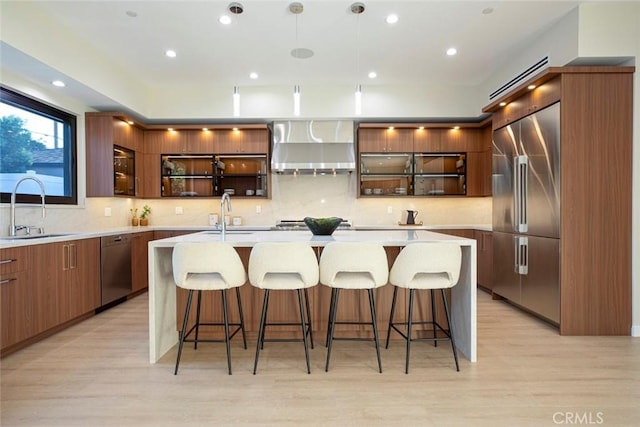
[(249, 239), (6, 242)]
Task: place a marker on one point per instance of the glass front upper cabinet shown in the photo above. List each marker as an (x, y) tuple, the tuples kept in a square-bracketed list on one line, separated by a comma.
[(241, 175), (187, 176), (124, 181), (440, 174), (386, 174)]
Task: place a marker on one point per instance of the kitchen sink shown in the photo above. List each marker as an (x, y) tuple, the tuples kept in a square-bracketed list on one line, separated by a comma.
[(35, 236)]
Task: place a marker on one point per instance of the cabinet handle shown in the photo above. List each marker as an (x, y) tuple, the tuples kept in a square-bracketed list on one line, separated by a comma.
[(65, 257), (8, 261), (2, 282), (73, 257)]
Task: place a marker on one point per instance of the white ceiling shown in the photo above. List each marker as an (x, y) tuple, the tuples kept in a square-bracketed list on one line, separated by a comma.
[(346, 46)]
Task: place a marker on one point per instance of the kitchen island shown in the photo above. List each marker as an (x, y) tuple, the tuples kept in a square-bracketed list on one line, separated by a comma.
[(163, 333)]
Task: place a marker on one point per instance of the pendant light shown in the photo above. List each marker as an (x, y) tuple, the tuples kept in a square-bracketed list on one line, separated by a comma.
[(236, 101), (357, 8), (296, 8), (236, 9), (296, 100)]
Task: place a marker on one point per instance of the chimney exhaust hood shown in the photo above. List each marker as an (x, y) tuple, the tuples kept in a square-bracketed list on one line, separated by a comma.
[(313, 146)]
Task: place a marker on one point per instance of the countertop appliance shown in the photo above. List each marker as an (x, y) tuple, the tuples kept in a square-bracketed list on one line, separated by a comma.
[(298, 224), (115, 267), (526, 212)]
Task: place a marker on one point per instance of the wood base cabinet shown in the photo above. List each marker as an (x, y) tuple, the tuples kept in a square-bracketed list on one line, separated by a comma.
[(46, 286)]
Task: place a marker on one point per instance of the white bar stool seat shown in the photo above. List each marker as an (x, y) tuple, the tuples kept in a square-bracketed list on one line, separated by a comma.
[(284, 266), (425, 266), (201, 267), (351, 265)]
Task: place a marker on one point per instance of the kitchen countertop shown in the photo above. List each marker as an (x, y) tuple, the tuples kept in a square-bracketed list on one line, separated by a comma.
[(163, 334), (8, 242)]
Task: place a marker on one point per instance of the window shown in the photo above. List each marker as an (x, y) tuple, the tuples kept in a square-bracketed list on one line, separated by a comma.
[(39, 141)]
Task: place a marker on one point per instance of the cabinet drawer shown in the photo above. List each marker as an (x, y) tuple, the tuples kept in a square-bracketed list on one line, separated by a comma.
[(13, 259)]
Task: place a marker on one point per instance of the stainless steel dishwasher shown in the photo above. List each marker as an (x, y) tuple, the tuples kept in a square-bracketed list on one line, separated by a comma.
[(115, 267)]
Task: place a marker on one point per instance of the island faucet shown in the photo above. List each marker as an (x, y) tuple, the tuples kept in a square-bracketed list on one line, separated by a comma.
[(223, 223), (13, 228)]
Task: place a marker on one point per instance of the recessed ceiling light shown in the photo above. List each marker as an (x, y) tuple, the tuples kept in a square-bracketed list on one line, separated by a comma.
[(253, 76), (456, 127), (130, 122), (392, 19), (58, 83), (487, 10), (502, 104), (131, 13), (452, 51), (225, 20), (531, 87), (171, 53), (372, 74)]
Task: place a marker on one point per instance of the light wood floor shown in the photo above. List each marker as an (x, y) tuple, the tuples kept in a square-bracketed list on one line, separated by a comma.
[(97, 374)]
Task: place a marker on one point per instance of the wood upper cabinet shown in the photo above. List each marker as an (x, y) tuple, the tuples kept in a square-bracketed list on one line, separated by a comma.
[(479, 169), (102, 132), (126, 135), (16, 296), (150, 182), (140, 260), (385, 140), (427, 140), (542, 96), (461, 140), (246, 141), (187, 141)]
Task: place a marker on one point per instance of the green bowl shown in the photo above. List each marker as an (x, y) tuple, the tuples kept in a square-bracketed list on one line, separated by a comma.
[(322, 226)]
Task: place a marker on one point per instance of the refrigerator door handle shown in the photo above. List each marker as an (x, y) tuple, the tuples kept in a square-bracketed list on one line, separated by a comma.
[(520, 167), (522, 255)]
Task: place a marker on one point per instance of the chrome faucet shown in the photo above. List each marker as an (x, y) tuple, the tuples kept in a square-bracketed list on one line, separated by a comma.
[(223, 223), (13, 228)]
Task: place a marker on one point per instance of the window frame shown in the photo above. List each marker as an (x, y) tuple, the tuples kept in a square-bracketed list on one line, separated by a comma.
[(70, 153)]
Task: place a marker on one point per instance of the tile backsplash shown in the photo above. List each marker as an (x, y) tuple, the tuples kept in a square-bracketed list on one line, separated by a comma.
[(293, 197)]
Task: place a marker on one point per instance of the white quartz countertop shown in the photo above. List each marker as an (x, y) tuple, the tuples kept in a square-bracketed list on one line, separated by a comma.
[(250, 238), (239, 231)]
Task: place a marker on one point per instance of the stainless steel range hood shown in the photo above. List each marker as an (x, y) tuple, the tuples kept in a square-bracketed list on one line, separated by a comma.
[(313, 146)]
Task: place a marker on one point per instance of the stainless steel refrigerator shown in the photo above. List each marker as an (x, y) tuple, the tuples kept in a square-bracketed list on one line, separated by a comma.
[(526, 212)]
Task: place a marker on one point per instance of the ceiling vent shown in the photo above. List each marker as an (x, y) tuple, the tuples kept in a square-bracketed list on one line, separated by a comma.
[(525, 75)]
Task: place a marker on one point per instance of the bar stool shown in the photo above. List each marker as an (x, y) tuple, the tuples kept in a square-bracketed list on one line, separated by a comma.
[(208, 267), (284, 266), (350, 265), (425, 266)]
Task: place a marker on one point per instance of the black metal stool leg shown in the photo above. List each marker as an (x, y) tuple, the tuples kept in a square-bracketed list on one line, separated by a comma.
[(266, 295), (306, 299), (333, 295), (433, 318), (453, 344), (409, 324), (393, 309), (332, 325), (375, 328), (184, 330), (225, 315), (263, 319), (304, 331), (244, 336), (195, 342)]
